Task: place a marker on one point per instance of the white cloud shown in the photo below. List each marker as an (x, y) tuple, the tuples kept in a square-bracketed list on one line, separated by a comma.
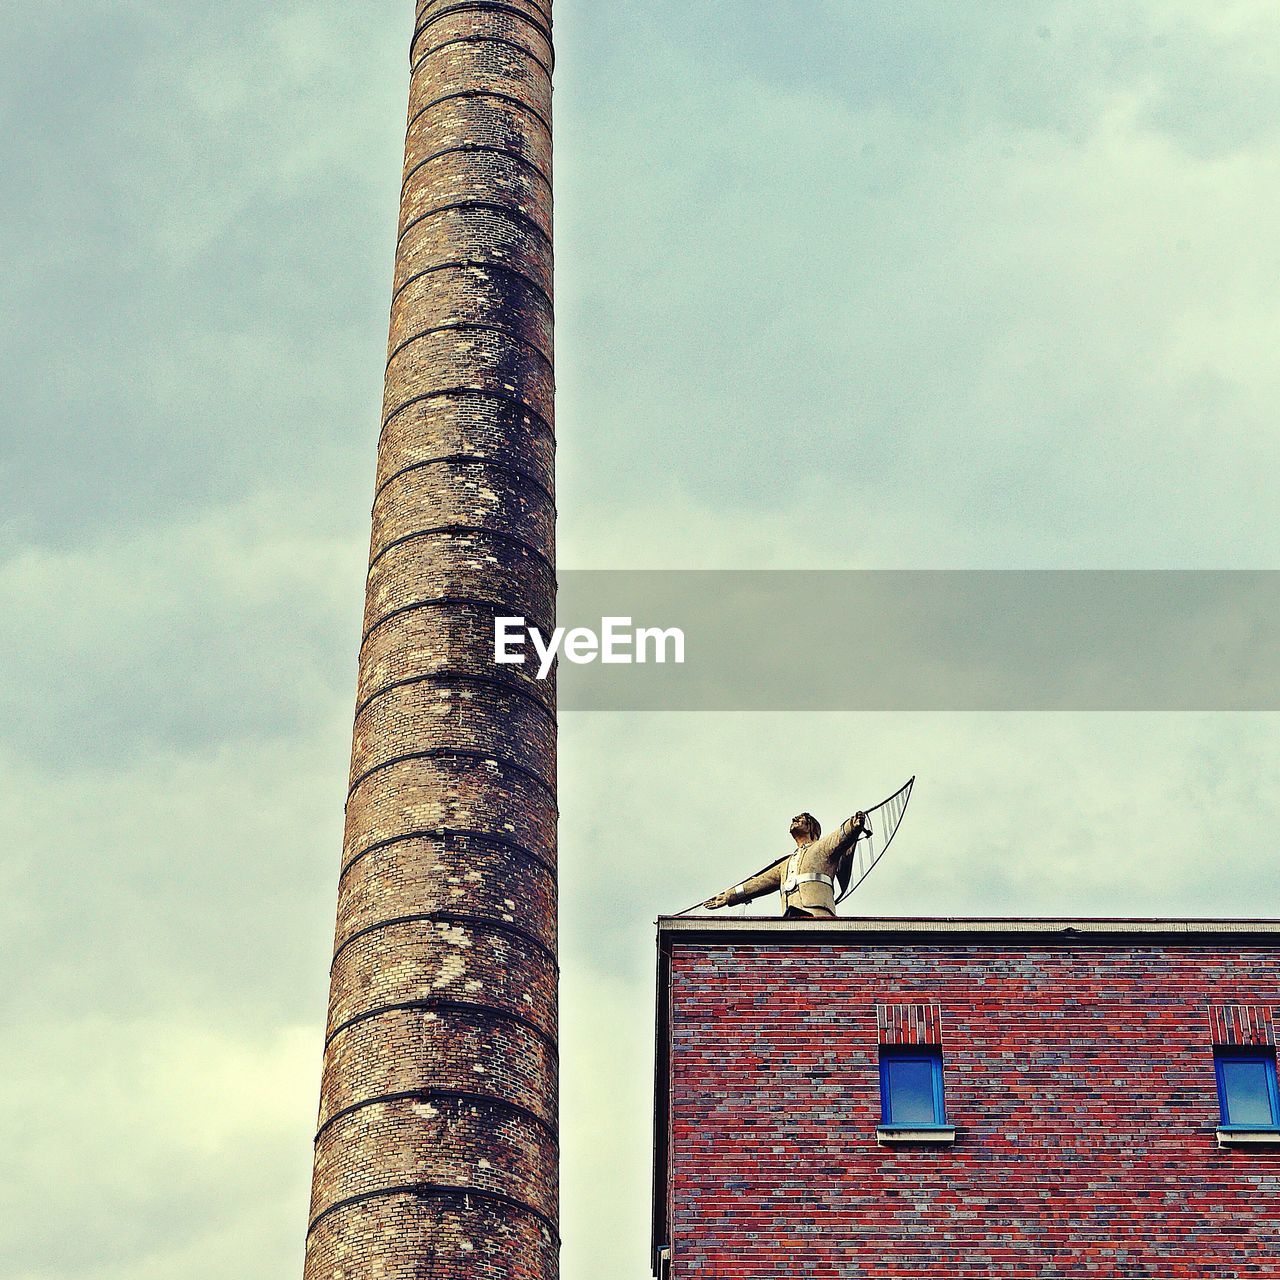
[(173, 1144), (236, 621)]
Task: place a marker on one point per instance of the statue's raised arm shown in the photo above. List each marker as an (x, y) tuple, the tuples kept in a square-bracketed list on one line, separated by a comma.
[(834, 845)]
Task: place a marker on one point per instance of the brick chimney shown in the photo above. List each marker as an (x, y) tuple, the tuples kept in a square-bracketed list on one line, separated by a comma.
[(436, 1154)]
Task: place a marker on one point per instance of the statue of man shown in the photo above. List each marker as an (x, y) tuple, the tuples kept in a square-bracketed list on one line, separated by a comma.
[(806, 879)]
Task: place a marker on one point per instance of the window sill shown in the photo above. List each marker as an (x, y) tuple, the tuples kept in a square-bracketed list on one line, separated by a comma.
[(937, 1134), (1228, 1137)]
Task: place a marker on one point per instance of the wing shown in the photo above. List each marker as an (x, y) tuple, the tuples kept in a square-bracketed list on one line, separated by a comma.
[(886, 817)]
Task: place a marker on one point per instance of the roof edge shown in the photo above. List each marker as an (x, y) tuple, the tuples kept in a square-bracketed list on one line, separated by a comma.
[(705, 928)]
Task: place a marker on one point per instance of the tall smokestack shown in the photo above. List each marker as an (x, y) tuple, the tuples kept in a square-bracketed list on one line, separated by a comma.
[(436, 1154)]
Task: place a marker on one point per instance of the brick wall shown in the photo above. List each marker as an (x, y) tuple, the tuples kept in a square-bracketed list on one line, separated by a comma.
[(1080, 1079), (436, 1149)]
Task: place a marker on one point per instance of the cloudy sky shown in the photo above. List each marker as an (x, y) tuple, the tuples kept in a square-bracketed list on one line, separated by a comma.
[(841, 284)]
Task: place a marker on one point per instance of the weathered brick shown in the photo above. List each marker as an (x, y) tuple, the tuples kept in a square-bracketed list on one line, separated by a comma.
[(436, 1153), (403, 1050), (406, 1237)]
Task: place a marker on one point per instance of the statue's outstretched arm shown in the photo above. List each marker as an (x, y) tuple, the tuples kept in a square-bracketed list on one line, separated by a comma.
[(769, 880)]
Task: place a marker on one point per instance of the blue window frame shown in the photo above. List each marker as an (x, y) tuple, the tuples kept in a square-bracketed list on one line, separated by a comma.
[(911, 1087), (1247, 1088)]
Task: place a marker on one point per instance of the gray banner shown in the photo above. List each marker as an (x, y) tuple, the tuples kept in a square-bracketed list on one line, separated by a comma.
[(941, 641)]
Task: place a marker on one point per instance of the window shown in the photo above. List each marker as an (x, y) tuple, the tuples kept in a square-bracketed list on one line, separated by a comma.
[(1247, 1088), (911, 1088)]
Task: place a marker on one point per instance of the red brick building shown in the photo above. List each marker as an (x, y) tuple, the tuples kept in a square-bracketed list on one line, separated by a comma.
[(966, 1098)]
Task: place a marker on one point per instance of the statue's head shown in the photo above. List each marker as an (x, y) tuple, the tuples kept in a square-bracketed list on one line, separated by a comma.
[(804, 826)]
